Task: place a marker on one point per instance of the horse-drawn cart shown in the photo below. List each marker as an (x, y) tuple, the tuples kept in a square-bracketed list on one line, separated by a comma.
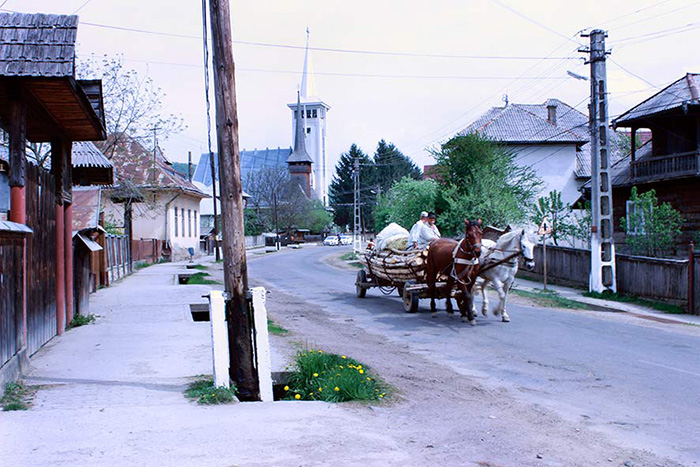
[(393, 269)]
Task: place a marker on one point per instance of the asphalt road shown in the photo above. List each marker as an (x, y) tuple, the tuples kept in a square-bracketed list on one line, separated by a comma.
[(636, 383)]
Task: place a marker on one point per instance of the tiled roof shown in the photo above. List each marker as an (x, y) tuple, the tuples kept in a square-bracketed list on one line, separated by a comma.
[(251, 161), (37, 44), (528, 124), (678, 94), (86, 154), (134, 166), (86, 207)]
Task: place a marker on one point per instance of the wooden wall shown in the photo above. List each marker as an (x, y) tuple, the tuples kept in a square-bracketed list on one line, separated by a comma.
[(41, 270)]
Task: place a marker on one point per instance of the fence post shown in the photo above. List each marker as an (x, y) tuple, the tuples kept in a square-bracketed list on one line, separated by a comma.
[(262, 344), (219, 338), (691, 278)]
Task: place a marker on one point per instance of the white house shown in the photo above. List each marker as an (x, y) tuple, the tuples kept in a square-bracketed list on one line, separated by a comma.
[(552, 138), (164, 205)]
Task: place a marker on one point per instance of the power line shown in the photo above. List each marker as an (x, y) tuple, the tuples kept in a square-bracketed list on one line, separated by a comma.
[(535, 22), (658, 34), (76, 11), (643, 20), (633, 13)]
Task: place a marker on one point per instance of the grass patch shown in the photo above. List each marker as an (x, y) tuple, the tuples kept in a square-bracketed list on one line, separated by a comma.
[(275, 329), (17, 396), (551, 299), (81, 320), (200, 278), (201, 267), (351, 256), (332, 378), (660, 306), (206, 393)]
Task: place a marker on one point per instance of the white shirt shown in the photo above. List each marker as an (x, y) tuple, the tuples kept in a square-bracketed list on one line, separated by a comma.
[(435, 230), (422, 234), (413, 234)]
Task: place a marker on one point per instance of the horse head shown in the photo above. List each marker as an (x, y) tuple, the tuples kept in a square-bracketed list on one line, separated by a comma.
[(473, 236), (527, 247)]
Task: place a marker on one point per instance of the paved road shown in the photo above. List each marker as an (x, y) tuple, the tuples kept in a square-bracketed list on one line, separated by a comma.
[(638, 384)]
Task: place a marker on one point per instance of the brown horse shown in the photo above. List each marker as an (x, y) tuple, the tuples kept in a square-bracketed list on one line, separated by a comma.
[(459, 261)]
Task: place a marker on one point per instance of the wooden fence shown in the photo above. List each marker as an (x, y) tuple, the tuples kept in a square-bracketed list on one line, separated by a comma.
[(149, 249), (117, 257), (653, 278), (41, 257)]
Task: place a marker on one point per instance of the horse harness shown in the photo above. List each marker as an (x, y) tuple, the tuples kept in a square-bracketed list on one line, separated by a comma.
[(469, 264), (506, 260)]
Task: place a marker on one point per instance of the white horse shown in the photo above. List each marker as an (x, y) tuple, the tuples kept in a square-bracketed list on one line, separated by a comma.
[(499, 263)]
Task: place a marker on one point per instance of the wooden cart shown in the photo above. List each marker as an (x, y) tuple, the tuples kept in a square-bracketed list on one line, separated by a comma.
[(391, 270)]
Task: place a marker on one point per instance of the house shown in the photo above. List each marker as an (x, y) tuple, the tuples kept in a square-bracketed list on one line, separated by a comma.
[(40, 101), (552, 138), (670, 162), (158, 200)]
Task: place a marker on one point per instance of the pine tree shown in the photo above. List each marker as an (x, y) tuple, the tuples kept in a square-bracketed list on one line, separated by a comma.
[(341, 192), (392, 165)]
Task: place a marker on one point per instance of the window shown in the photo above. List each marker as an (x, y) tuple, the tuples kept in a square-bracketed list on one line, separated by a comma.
[(313, 113), (182, 211), (308, 130), (636, 217), (308, 113), (195, 224), (175, 222), (189, 222)]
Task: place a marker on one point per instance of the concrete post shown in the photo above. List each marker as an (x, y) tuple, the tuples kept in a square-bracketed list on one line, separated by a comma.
[(219, 338), (262, 344)]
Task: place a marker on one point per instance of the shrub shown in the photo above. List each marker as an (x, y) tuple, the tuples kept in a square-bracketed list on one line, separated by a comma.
[(207, 394), (332, 378)]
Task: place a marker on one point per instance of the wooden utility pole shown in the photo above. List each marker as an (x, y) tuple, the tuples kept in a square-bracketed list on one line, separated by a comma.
[(238, 313)]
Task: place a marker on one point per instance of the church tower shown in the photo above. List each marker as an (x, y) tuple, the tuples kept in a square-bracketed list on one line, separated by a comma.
[(299, 161), (313, 112)]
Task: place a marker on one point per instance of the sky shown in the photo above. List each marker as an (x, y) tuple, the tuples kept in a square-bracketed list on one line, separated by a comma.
[(410, 72)]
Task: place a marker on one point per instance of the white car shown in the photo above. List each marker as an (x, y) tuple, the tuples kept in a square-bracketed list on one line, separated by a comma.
[(331, 240), (345, 240)]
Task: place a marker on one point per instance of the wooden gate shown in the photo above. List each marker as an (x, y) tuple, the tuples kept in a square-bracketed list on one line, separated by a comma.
[(11, 304), (41, 258)]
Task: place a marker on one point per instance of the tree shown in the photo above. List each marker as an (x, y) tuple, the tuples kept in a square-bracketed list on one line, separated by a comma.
[(581, 222), (481, 180), (651, 228), (341, 190), (391, 166), (404, 202), (133, 104), (556, 212), (317, 218)]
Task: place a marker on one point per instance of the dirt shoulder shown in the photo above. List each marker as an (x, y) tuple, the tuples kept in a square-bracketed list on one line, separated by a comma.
[(438, 417)]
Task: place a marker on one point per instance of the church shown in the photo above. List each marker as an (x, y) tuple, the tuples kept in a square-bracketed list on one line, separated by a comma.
[(305, 159)]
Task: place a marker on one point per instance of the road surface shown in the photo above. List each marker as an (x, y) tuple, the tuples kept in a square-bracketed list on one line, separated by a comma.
[(637, 382)]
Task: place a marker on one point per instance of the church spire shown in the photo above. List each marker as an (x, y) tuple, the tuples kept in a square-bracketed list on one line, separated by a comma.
[(299, 155), (308, 82)]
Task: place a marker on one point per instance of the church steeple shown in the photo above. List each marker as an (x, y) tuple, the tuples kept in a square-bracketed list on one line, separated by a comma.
[(299, 162), (308, 82)]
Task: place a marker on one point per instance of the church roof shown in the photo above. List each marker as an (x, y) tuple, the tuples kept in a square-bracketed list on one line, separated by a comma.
[(299, 155), (251, 161)]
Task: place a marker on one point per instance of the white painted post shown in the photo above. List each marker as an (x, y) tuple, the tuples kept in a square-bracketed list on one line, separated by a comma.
[(219, 338), (262, 344)]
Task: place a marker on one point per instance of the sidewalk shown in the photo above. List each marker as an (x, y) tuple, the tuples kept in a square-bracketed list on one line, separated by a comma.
[(112, 392), (609, 305)]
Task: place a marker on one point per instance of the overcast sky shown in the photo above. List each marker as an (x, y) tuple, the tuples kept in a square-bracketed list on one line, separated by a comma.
[(412, 100)]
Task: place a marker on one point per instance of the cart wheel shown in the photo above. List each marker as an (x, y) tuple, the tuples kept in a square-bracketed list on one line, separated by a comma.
[(410, 299), (361, 291)]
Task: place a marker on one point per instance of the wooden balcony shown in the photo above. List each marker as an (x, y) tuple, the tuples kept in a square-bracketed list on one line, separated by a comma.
[(681, 165)]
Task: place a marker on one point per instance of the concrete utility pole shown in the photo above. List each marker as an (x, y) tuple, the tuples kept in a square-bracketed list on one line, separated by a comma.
[(238, 313), (356, 240), (602, 276)]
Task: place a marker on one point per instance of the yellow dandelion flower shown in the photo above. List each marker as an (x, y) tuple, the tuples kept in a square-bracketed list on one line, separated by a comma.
[(369, 379), (341, 367), (315, 375), (361, 371), (297, 396), (320, 389), (336, 389), (320, 351), (343, 357), (286, 388)]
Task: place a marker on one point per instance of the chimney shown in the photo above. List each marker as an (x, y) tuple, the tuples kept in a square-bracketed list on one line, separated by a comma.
[(552, 111)]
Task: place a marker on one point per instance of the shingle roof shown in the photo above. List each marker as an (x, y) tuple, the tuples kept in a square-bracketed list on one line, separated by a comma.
[(251, 161), (37, 44), (528, 124), (682, 92)]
